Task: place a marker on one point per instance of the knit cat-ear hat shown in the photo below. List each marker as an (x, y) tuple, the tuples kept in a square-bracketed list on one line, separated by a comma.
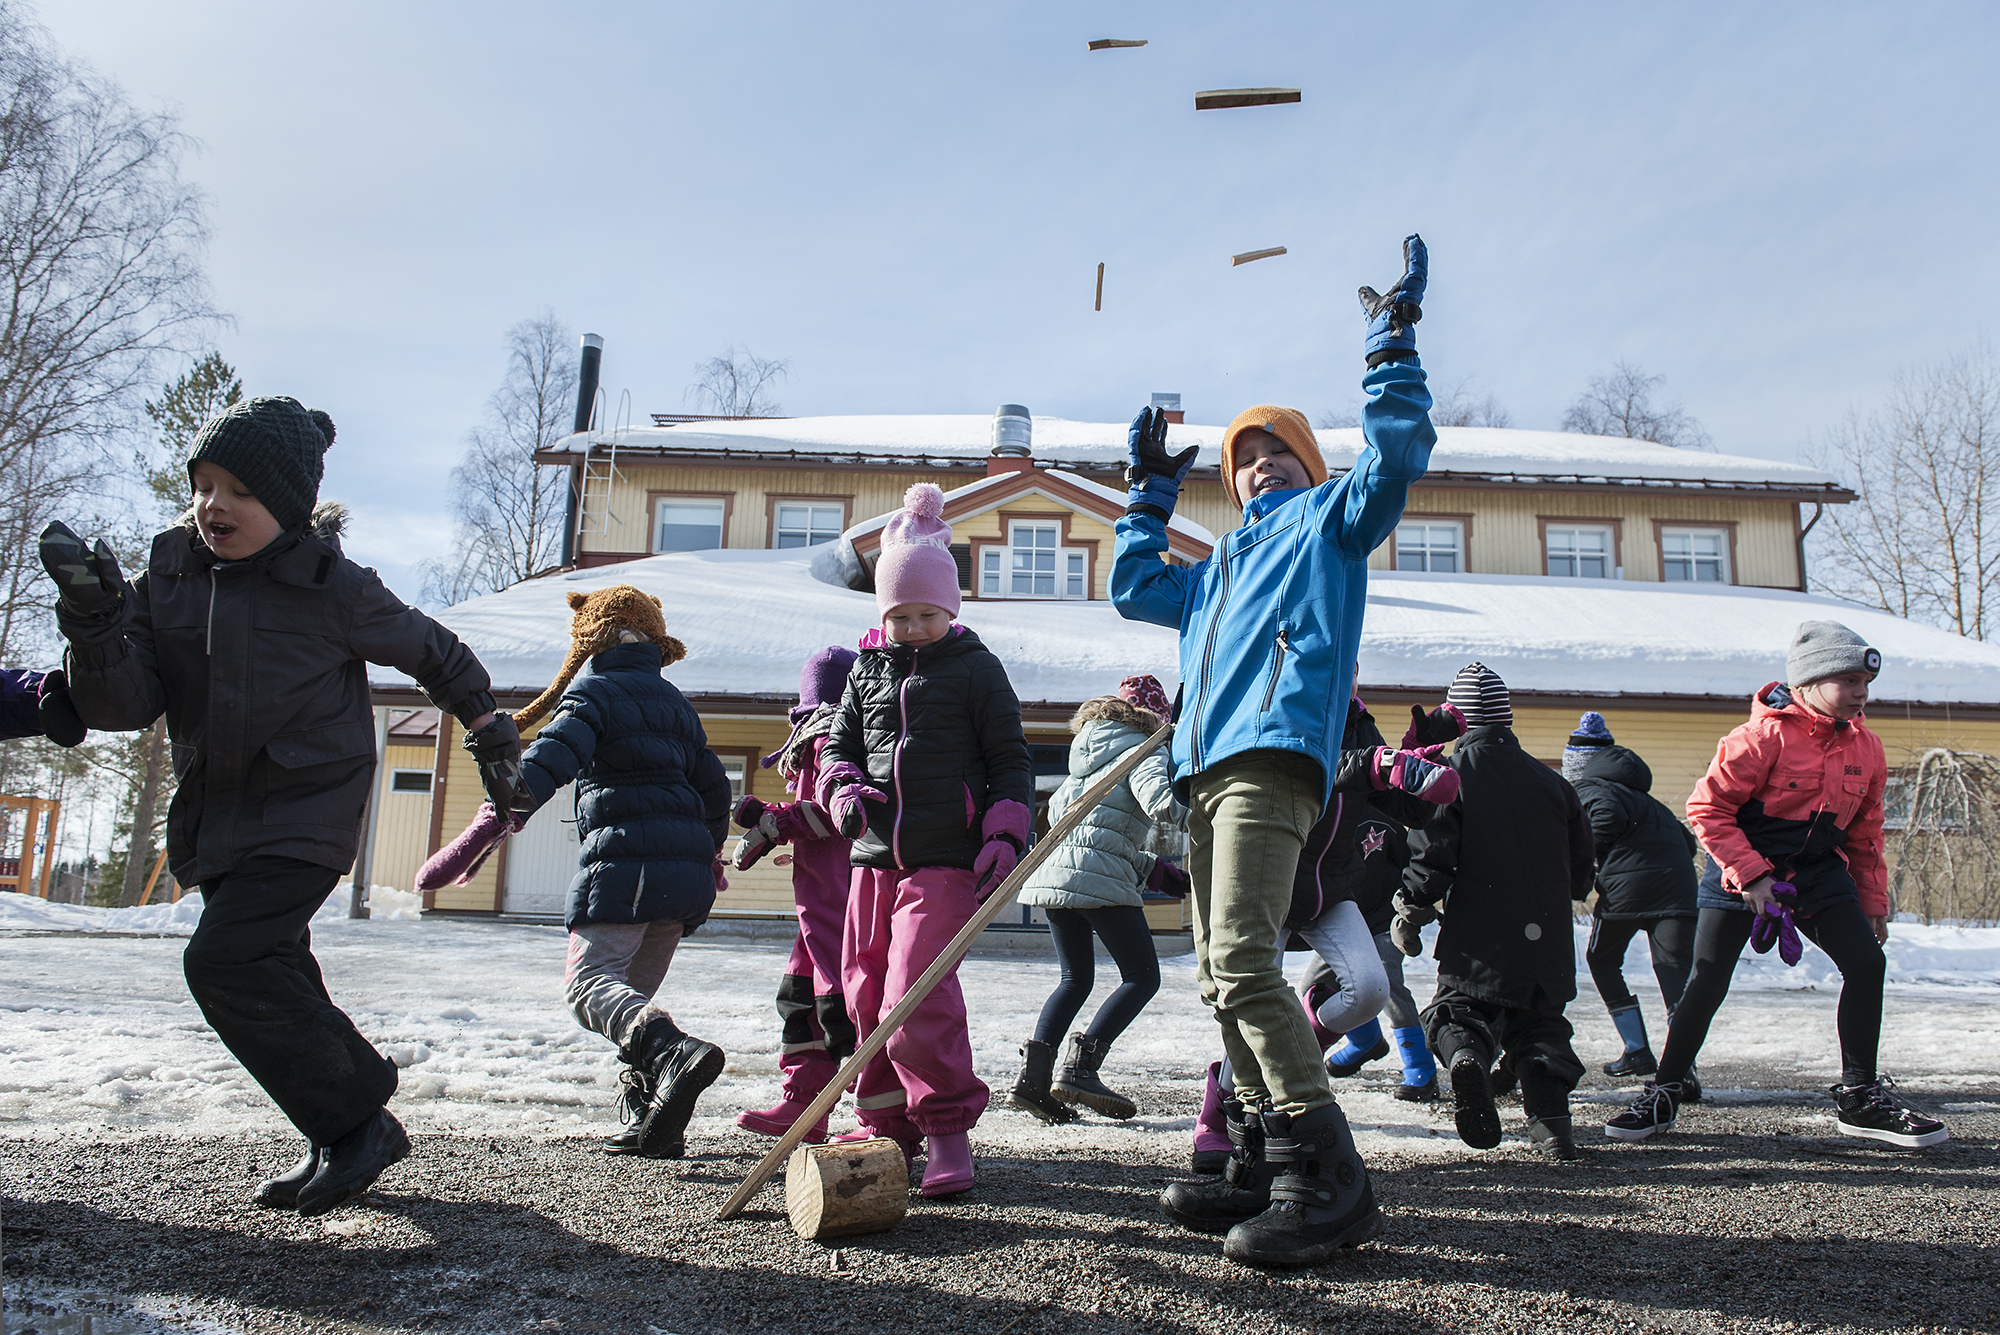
[(601, 620), (916, 564)]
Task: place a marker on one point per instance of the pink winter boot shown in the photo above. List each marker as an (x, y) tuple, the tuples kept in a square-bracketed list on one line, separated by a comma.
[(1211, 1132), (949, 1168), (778, 1120)]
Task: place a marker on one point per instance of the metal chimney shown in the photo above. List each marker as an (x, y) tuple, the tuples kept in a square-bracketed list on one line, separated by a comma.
[(586, 403), (1013, 431)]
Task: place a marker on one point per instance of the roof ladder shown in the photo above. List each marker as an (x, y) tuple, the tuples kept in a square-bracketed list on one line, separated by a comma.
[(601, 476)]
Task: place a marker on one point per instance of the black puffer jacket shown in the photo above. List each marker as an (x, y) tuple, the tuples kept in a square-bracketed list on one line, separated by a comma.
[(1645, 858), (1503, 862), (1359, 848), (652, 801), (937, 730)]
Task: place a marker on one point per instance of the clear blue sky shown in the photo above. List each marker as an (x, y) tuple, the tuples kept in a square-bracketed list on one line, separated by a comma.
[(1774, 206)]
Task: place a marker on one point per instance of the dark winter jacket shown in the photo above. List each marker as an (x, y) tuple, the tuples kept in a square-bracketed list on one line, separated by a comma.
[(1645, 858), (1503, 862), (652, 801), (937, 729), (1359, 848), (260, 668), (20, 704)]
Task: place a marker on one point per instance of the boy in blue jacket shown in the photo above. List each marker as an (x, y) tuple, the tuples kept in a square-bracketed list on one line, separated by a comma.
[(1270, 627)]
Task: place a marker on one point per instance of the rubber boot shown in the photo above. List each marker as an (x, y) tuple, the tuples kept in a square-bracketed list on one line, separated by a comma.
[(282, 1192), (680, 1066), (1419, 1068), (1321, 1199), (1317, 994), (1078, 1082), (1638, 1057), (1211, 1132), (1472, 1101), (1362, 1044), (350, 1165), (1031, 1092), (1546, 1101), (947, 1166), (1242, 1192), (803, 1084), (635, 1096), (888, 1124)]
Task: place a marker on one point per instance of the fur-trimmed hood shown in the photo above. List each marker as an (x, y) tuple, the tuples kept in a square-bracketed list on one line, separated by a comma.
[(1115, 710)]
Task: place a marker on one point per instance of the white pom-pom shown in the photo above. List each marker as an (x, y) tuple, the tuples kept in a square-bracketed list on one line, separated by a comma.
[(924, 500)]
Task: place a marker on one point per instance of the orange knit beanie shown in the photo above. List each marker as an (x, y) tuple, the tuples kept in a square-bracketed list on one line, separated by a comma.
[(599, 622), (1288, 425)]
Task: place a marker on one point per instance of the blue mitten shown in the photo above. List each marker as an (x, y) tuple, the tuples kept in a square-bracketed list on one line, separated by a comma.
[(1390, 314), (1153, 475)]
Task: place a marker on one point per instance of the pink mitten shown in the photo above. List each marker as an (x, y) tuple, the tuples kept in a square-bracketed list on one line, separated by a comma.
[(457, 861), (843, 787), (1006, 831), (1440, 725)]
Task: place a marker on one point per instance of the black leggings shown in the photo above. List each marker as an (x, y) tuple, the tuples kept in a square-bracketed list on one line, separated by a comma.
[(1672, 943), (1841, 930), (1130, 940)]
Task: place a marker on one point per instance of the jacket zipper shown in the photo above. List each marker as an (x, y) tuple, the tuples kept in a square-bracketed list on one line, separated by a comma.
[(1277, 666), (208, 645), (1208, 658), (896, 764)]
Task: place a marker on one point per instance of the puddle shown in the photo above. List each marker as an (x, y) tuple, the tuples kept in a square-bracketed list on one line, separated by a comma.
[(64, 1313)]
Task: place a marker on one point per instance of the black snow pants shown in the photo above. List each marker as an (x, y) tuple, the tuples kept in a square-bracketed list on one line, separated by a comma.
[(1533, 1038), (1672, 943), (250, 967)]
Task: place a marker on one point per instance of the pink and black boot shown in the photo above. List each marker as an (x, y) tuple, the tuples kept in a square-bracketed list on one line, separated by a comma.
[(1211, 1129)]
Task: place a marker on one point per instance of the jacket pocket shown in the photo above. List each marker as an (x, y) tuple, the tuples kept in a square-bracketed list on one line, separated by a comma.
[(1284, 647), (319, 776)]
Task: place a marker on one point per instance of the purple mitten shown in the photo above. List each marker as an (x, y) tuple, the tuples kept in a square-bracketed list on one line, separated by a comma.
[(843, 787), (455, 863), (1168, 879), (1006, 831), (1774, 925)]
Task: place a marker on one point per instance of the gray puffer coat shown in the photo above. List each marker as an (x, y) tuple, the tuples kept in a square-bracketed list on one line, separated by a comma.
[(1103, 863)]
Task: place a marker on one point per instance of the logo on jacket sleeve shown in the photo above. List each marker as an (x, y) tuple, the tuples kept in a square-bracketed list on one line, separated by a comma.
[(1371, 842)]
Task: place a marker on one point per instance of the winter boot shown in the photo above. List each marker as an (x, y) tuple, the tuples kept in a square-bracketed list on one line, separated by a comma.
[(803, 1082), (1472, 1101), (1211, 1132), (350, 1165), (1078, 1082), (1244, 1189), (1502, 1078), (1553, 1136), (1031, 1091), (1638, 1056), (1321, 1199), (1655, 1110), (947, 1166), (1359, 1046), (282, 1192), (680, 1066), (1419, 1067), (635, 1095), (907, 1143), (1869, 1110), (1545, 1098)]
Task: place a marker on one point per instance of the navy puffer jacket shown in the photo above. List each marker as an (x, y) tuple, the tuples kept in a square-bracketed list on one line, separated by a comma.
[(652, 801)]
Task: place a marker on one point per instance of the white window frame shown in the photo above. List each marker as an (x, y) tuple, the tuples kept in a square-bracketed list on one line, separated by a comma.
[(994, 573), (720, 507), (1692, 559), (1576, 554), (737, 769), (814, 535), (1426, 552)]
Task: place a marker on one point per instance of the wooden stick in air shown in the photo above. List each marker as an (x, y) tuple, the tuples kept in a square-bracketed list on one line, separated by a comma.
[(1100, 285), (1002, 896)]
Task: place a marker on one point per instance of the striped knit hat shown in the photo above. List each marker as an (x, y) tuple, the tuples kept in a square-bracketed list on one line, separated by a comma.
[(1478, 693), (1590, 737)]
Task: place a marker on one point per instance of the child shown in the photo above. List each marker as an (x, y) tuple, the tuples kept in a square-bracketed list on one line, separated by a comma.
[(927, 770), (1094, 884), (37, 704), (1506, 859), (1270, 625), (1790, 812), (817, 1035), (1645, 882), (251, 632)]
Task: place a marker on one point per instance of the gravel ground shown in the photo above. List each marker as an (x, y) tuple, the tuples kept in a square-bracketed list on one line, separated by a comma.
[(1756, 1216)]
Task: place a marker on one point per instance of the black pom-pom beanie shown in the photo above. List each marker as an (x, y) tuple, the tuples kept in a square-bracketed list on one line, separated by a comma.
[(275, 446)]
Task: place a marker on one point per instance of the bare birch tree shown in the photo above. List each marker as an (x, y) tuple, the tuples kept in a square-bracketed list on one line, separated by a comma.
[(1621, 404), (508, 510), (1923, 539), (738, 384)]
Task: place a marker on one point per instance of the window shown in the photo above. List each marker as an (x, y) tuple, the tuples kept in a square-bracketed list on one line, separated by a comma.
[(1428, 545), (409, 781), (1034, 564), (804, 525), (1584, 552), (1694, 555), (734, 766), (686, 525)]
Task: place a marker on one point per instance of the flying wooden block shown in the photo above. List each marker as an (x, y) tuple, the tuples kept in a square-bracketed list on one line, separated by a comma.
[(1100, 285), (1250, 255), (1215, 99), (1112, 43), (856, 1186)]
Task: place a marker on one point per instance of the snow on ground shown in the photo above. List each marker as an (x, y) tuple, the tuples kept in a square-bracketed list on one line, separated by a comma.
[(99, 1034)]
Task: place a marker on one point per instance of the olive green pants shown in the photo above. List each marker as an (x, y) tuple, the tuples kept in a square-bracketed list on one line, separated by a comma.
[(1247, 821)]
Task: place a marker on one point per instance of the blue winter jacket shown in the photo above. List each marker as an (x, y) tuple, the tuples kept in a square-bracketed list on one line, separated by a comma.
[(652, 801), (1270, 623)]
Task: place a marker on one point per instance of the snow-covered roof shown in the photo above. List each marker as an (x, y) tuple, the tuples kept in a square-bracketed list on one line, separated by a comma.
[(1501, 453), (750, 618), (961, 502)]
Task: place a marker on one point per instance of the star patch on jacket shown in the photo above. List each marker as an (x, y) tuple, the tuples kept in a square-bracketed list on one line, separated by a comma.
[(1371, 842)]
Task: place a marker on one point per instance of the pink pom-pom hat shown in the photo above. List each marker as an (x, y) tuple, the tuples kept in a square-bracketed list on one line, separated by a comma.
[(916, 564)]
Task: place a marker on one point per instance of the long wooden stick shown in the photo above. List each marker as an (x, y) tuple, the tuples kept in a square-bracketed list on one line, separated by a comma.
[(1002, 896)]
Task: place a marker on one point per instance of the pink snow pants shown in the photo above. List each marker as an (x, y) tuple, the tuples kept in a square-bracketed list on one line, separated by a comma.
[(898, 922), (820, 875)]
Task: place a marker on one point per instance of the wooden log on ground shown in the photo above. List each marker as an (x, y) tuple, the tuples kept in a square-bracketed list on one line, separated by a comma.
[(1216, 99), (856, 1186)]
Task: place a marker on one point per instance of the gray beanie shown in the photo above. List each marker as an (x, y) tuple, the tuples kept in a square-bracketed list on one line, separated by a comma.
[(1822, 649), (275, 446)]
